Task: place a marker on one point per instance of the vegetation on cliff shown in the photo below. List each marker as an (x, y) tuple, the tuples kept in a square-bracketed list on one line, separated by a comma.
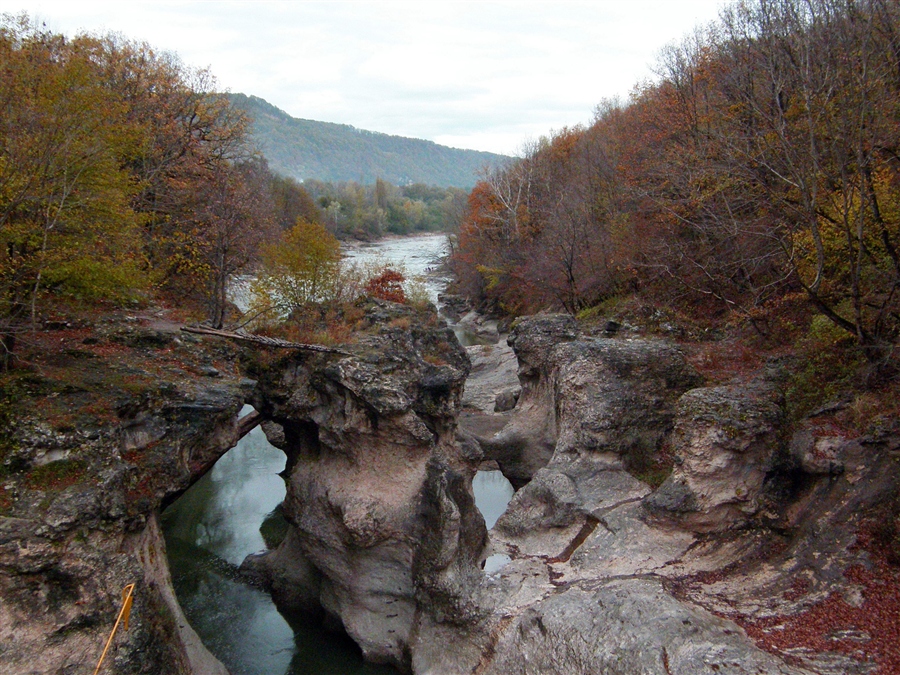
[(762, 165), (125, 176)]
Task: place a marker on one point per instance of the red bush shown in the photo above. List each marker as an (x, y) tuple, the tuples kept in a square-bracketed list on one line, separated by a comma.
[(387, 286)]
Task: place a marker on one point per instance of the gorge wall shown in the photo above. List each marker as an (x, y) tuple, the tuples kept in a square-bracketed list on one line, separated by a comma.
[(609, 570), (107, 432), (605, 573)]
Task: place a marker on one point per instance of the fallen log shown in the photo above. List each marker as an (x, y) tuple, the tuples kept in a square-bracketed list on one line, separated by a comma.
[(263, 340)]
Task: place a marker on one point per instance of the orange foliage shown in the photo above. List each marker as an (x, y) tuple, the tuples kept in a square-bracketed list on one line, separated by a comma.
[(387, 286)]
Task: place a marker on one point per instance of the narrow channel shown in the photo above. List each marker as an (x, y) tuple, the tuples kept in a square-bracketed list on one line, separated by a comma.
[(212, 527), (209, 531)]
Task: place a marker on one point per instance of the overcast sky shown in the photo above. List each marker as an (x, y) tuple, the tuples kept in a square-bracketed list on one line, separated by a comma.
[(480, 75)]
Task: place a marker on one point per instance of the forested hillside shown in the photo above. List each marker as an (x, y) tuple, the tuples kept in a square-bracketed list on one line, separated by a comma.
[(123, 175), (760, 174), (305, 149)]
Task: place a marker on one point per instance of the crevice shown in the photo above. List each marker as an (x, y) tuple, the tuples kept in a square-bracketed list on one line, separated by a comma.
[(490, 650), (586, 530)]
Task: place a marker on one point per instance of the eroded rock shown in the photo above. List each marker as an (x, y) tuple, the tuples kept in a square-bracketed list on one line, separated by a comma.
[(379, 493), (727, 440), (80, 518)]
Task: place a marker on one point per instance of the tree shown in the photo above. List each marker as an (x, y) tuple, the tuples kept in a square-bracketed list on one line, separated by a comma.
[(118, 166), (301, 268), (388, 285), (66, 219), (233, 218)]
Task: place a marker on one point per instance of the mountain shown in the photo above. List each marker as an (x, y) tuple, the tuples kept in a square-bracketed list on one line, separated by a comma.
[(339, 152)]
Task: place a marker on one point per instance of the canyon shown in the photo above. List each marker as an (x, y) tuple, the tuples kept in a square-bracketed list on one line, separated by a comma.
[(594, 567)]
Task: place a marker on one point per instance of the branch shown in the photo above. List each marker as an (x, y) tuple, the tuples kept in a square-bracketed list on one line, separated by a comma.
[(263, 340)]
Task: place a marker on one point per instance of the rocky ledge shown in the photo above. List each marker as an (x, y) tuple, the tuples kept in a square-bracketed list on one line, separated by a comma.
[(754, 531), (107, 424)]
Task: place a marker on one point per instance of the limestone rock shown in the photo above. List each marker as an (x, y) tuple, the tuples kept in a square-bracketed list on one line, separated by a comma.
[(582, 394), (728, 439), (379, 492), (483, 328), (493, 372), (81, 517), (817, 455), (506, 400), (622, 627)]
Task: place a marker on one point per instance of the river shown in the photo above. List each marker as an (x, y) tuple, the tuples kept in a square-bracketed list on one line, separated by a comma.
[(212, 527)]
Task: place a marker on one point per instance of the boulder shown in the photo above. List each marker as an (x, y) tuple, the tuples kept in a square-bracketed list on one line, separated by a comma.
[(493, 372), (506, 400), (727, 440), (817, 456)]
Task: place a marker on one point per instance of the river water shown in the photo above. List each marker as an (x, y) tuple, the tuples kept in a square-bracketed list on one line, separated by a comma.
[(212, 527)]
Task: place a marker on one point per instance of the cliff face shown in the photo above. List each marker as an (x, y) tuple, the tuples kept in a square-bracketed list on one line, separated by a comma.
[(105, 431), (753, 528), (755, 532), (379, 497)]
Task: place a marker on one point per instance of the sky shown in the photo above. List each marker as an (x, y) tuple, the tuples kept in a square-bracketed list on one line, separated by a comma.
[(481, 75)]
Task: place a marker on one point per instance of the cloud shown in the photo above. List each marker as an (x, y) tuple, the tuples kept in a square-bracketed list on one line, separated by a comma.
[(484, 75)]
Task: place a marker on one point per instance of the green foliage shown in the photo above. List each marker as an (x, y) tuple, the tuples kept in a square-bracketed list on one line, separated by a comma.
[(291, 202), (91, 279), (365, 211), (832, 362), (302, 267), (9, 397), (120, 168), (56, 475), (305, 149), (65, 196)]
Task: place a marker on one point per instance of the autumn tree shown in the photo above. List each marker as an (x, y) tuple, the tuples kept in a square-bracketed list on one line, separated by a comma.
[(291, 201), (66, 217), (762, 162), (118, 167), (300, 268), (233, 216)]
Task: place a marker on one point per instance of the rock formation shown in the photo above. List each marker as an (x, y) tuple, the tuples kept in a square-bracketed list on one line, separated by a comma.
[(727, 441), (607, 574), (379, 496), (80, 518), (610, 568)]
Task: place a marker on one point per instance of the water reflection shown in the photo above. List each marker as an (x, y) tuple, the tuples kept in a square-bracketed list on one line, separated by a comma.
[(492, 495), (222, 512), (209, 531)]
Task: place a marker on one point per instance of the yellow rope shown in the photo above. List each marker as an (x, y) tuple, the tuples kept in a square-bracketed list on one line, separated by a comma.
[(124, 614)]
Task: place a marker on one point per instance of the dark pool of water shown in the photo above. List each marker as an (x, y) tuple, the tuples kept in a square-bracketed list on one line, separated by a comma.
[(209, 530)]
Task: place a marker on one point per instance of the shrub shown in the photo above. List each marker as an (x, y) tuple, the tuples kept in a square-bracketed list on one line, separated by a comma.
[(387, 286), (832, 359)]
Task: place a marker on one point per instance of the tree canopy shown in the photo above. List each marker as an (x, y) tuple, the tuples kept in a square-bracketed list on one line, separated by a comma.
[(762, 164), (123, 172)]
